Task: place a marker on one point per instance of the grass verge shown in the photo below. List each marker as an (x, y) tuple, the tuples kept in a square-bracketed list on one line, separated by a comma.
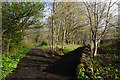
[(9, 62), (68, 47)]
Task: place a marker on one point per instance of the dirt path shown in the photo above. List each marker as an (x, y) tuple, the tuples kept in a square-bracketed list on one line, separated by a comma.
[(40, 65)]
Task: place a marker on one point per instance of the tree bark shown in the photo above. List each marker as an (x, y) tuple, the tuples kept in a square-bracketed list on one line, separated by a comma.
[(95, 48), (63, 43), (53, 27), (57, 35)]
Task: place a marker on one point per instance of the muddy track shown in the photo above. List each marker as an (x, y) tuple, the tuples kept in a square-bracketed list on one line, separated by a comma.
[(38, 65)]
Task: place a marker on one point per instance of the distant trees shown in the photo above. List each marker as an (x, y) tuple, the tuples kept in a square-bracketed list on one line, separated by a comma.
[(67, 21), (16, 17), (81, 22)]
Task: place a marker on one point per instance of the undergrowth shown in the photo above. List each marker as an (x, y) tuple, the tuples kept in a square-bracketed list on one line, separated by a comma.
[(106, 64), (109, 48), (81, 75), (104, 67), (9, 62)]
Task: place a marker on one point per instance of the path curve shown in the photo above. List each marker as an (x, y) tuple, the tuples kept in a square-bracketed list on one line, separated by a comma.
[(40, 65)]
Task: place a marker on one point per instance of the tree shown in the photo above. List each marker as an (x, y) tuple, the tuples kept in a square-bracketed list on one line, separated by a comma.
[(53, 27), (67, 22), (16, 17), (99, 15)]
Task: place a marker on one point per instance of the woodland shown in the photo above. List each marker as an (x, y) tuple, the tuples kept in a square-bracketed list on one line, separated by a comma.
[(63, 40)]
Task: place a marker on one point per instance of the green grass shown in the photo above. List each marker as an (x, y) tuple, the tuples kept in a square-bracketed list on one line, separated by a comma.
[(9, 62), (45, 46), (70, 47)]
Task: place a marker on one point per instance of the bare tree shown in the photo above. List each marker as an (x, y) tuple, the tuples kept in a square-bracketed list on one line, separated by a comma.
[(99, 16)]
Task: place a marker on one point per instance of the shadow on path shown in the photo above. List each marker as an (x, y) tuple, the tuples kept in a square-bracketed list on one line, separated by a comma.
[(66, 66), (40, 65)]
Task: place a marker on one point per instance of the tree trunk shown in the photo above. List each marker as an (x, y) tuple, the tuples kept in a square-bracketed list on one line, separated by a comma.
[(48, 41), (68, 38), (57, 35), (52, 36), (55, 39), (63, 43), (53, 28), (95, 48)]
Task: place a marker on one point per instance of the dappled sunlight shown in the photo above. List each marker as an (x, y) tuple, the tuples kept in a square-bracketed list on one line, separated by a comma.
[(60, 40)]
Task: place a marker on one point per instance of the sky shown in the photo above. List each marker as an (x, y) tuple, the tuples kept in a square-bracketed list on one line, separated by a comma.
[(48, 11), (55, 0)]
